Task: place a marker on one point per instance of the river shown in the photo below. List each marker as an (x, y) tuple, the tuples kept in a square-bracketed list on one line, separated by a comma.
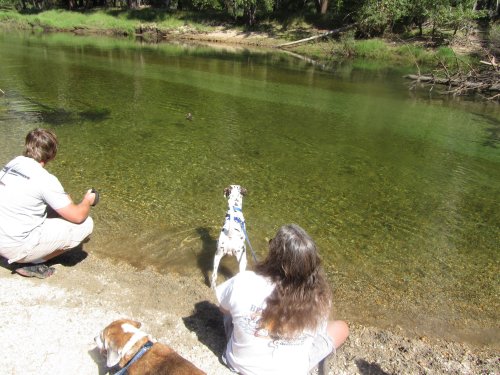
[(399, 188)]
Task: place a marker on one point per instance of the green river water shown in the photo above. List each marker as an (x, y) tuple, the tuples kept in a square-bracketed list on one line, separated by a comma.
[(399, 189)]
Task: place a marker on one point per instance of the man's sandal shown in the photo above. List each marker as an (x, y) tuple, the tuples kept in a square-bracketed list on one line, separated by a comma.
[(40, 271)]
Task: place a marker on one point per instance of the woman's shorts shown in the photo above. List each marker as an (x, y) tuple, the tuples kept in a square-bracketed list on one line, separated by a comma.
[(321, 348)]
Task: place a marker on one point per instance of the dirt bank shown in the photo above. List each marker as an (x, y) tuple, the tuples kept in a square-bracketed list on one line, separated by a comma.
[(48, 326)]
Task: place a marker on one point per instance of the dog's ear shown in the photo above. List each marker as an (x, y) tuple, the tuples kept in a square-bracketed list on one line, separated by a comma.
[(243, 191), (227, 191), (136, 324), (113, 355)]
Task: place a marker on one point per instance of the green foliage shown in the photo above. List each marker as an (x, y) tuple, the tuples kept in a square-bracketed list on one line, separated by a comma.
[(7, 4), (372, 22), (462, 16), (373, 17), (413, 53), (248, 9), (437, 13), (372, 49), (495, 34), (376, 16), (430, 59), (418, 12), (208, 4), (445, 54), (347, 44), (203, 5), (10, 17), (10, 4)]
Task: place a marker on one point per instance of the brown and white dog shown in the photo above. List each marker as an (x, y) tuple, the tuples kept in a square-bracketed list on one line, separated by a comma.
[(232, 236), (138, 354)]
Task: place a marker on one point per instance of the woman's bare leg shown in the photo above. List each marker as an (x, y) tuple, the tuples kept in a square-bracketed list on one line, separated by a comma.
[(338, 330)]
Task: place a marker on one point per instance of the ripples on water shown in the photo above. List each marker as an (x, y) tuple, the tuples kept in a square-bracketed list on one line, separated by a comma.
[(400, 192)]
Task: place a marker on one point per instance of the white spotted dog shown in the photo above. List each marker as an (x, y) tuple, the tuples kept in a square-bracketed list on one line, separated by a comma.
[(232, 236)]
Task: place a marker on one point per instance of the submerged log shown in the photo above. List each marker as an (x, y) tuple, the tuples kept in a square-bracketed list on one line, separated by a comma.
[(431, 78)]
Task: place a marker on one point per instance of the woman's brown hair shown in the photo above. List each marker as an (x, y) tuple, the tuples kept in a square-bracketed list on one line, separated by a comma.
[(301, 299), (41, 145)]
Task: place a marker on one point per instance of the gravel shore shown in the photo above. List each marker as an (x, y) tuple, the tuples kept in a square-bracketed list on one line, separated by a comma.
[(48, 326)]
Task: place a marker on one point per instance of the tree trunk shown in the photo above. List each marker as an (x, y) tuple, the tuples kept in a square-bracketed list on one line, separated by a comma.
[(321, 6), (250, 13), (324, 6), (132, 4)]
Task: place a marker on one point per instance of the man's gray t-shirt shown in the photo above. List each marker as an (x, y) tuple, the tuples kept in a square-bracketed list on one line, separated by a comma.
[(26, 189)]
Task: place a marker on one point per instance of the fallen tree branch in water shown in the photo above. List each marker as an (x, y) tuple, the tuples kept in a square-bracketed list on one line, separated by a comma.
[(461, 77), (457, 85), (479, 83), (328, 33), (482, 81)]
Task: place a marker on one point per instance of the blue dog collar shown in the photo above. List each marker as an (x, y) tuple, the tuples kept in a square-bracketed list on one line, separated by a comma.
[(136, 357)]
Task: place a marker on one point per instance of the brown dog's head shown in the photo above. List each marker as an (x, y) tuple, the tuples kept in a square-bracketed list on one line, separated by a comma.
[(117, 339), (234, 190)]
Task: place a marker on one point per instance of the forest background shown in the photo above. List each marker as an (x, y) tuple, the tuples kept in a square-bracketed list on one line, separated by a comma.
[(439, 20)]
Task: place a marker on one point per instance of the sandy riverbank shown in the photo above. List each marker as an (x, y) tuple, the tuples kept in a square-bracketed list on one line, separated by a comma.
[(48, 326)]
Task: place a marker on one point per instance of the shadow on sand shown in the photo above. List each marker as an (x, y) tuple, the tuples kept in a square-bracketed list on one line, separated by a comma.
[(68, 259), (206, 322), (367, 368), (100, 361)]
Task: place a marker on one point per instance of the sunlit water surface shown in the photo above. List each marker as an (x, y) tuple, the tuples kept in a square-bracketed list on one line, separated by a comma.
[(399, 189)]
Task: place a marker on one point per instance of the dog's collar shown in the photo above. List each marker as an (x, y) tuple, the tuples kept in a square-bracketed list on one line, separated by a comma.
[(237, 209), (136, 357), (235, 218)]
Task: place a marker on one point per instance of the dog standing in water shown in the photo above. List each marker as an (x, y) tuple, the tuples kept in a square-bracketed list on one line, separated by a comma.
[(232, 236)]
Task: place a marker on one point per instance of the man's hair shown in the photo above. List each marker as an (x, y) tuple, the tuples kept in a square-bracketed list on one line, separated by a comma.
[(41, 145), (301, 299)]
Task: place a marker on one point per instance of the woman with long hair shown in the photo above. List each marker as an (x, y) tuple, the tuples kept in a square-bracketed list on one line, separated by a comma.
[(276, 317)]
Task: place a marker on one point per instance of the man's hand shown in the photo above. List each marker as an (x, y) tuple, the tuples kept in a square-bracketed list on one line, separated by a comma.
[(92, 196), (77, 213)]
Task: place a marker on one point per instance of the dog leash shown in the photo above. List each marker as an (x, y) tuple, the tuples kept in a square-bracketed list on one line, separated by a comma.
[(136, 357), (242, 224)]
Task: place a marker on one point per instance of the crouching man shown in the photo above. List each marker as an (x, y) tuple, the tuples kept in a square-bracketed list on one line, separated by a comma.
[(28, 237)]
